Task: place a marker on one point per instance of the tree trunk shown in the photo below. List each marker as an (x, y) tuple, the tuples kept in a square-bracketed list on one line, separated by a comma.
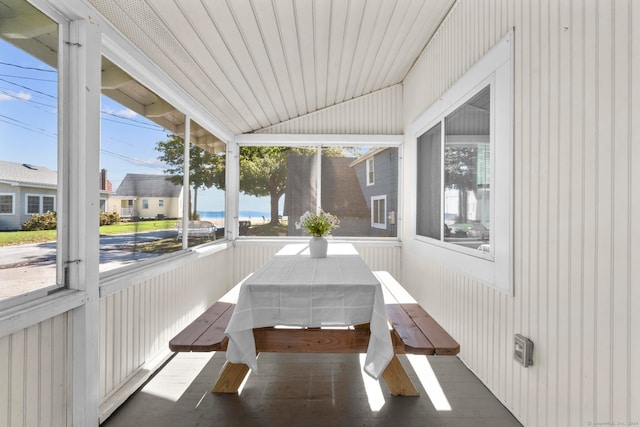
[(464, 200), (195, 203), (275, 197)]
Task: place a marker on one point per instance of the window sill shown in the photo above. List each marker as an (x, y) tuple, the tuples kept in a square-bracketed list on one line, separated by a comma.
[(32, 312), (479, 267)]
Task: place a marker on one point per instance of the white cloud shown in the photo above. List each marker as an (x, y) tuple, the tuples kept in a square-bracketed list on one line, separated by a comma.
[(126, 113), (23, 95), (106, 109), (11, 96)]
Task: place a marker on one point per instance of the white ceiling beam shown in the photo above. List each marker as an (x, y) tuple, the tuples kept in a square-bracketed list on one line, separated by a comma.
[(207, 140), (27, 26), (328, 139), (158, 109), (114, 77), (122, 51)]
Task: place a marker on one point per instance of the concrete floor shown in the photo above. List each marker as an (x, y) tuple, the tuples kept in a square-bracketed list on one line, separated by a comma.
[(310, 390)]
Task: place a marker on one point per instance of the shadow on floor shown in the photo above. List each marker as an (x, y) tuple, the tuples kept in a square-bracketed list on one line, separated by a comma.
[(306, 390)]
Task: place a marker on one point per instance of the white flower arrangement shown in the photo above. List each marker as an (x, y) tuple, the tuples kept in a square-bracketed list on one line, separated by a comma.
[(319, 224)]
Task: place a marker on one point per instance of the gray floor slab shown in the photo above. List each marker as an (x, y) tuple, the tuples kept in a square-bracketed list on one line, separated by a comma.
[(310, 390)]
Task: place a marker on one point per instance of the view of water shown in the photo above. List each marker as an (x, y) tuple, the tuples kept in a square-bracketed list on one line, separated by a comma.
[(243, 214)]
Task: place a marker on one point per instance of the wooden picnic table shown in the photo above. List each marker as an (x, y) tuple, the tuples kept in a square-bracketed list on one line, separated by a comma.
[(413, 331)]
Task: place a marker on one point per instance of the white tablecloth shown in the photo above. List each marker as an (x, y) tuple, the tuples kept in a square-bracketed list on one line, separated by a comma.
[(293, 289)]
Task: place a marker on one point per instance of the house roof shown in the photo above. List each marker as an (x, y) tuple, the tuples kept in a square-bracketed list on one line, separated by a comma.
[(27, 174), (147, 185), (372, 152)]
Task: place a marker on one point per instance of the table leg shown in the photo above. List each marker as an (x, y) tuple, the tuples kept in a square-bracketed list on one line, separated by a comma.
[(397, 379), (231, 377)]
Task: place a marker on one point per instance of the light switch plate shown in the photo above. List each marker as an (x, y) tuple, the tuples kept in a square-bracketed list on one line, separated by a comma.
[(523, 350)]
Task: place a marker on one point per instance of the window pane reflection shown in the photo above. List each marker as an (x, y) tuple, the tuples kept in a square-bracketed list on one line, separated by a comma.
[(28, 150)]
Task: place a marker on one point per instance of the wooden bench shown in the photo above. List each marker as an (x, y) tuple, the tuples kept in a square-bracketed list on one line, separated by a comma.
[(414, 331), (197, 228)]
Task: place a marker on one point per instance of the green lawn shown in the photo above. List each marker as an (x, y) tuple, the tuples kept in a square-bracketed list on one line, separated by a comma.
[(8, 238), (136, 227), (269, 230)]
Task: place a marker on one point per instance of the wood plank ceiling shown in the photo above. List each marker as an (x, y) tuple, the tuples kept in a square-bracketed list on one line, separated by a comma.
[(257, 63)]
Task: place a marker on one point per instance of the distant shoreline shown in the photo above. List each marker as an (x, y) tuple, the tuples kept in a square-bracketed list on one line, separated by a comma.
[(217, 217)]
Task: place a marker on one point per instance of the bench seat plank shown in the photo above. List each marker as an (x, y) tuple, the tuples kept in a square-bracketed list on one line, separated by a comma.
[(185, 339), (442, 342), (414, 339), (214, 339)]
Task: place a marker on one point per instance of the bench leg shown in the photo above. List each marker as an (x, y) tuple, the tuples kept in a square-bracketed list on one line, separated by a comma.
[(397, 379), (231, 378)]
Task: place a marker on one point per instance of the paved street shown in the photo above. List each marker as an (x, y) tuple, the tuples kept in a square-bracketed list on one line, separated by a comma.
[(25, 268)]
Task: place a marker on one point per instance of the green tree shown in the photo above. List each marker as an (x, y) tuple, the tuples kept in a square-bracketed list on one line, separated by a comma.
[(205, 169), (263, 171), (460, 172)]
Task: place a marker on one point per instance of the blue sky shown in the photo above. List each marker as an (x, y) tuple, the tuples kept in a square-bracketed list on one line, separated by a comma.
[(28, 128)]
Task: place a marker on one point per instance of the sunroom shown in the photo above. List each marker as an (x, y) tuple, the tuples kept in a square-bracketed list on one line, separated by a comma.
[(478, 152)]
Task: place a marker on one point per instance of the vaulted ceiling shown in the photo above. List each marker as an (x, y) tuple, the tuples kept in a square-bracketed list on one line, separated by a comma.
[(257, 63)]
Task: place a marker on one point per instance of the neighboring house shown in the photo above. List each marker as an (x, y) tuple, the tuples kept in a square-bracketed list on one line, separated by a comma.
[(147, 196), (377, 172), (345, 201), (106, 191), (25, 190)]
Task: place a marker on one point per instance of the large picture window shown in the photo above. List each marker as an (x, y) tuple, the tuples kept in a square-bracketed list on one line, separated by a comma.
[(29, 147), (142, 175), (464, 171), (280, 183), (454, 166)]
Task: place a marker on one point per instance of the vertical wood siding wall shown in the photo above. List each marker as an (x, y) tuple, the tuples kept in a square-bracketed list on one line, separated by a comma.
[(577, 269), (35, 375), (376, 113), (137, 323)]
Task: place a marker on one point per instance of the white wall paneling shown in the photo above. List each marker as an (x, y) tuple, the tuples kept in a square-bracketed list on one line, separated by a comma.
[(575, 244), (375, 113), (34, 374), (251, 254), (137, 322)]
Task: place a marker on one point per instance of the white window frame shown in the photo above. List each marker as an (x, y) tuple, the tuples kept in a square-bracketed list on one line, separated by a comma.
[(494, 268), (161, 203), (310, 141), (144, 202), (381, 225), (371, 179), (13, 203), (40, 202)]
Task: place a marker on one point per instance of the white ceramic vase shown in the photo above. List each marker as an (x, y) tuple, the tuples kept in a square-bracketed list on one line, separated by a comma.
[(318, 247)]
